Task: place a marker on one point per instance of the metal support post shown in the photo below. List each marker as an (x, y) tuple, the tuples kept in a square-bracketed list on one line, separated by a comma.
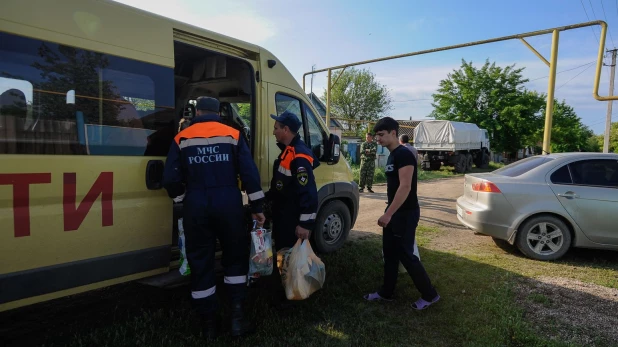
[(328, 99), (551, 87), (608, 120)]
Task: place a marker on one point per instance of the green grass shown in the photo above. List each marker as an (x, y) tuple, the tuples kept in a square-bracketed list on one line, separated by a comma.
[(586, 265), (477, 309), (540, 299)]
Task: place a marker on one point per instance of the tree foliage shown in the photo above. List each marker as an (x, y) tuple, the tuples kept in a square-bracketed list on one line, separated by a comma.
[(613, 139), (357, 95), (568, 133), (494, 98), (244, 112), (68, 68)]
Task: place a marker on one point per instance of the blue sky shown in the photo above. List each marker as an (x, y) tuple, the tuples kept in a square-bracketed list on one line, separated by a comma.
[(323, 33)]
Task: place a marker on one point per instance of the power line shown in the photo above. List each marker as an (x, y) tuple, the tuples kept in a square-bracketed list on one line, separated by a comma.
[(539, 78), (594, 15), (604, 15), (597, 123), (574, 77), (593, 32), (575, 68)]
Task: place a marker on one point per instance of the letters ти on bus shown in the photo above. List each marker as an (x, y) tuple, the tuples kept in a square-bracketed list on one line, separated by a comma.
[(91, 96)]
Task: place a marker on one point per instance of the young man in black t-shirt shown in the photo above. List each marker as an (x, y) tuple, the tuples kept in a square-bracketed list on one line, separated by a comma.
[(400, 219)]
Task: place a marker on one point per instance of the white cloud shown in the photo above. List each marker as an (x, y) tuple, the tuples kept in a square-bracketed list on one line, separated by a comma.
[(237, 20)]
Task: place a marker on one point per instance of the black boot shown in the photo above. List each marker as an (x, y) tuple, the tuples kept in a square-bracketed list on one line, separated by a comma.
[(240, 324), (211, 327)]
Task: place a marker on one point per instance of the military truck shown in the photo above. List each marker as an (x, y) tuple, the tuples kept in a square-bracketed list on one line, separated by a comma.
[(458, 144)]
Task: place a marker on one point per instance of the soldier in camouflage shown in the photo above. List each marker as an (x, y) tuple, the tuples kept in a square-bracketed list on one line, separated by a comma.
[(369, 151)]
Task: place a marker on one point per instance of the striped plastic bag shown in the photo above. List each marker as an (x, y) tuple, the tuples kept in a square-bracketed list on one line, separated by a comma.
[(184, 263)]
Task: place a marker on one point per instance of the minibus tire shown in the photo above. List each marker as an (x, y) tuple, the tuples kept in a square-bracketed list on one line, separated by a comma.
[(332, 227)]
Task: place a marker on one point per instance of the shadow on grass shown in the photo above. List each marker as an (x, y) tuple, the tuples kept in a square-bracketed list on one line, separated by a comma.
[(478, 308), (581, 257)]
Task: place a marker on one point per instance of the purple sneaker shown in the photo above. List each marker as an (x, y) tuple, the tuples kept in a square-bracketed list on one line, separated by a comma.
[(375, 297), (422, 304)]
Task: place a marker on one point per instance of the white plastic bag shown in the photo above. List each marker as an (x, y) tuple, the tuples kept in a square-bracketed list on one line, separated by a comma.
[(302, 272), (184, 263), (261, 256)]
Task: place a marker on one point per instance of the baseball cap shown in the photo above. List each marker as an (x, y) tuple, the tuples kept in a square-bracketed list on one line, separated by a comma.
[(206, 103), (288, 118)]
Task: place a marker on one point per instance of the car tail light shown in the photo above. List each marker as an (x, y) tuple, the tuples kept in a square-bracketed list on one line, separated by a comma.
[(485, 186)]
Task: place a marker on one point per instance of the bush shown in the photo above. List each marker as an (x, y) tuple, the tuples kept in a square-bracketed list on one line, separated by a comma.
[(379, 176)]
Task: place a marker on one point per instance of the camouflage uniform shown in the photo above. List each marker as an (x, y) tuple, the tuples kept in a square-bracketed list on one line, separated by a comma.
[(368, 164)]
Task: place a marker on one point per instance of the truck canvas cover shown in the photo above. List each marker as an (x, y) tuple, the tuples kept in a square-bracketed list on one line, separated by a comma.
[(443, 135)]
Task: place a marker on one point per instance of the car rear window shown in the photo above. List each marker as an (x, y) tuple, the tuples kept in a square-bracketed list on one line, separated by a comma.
[(522, 166)]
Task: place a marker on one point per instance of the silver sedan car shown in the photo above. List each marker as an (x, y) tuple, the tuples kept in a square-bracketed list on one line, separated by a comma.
[(546, 204)]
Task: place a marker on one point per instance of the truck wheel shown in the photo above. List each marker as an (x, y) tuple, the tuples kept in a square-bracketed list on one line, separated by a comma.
[(484, 160), (469, 162), (460, 164), (332, 227)]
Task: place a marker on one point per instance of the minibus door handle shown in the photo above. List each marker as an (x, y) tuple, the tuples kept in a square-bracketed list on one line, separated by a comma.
[(154, 174)]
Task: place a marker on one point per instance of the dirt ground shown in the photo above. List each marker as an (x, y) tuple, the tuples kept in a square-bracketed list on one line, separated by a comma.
[(437, 199)]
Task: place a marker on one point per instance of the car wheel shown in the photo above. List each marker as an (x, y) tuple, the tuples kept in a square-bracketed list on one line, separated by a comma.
[(544, 238), (332, 227)]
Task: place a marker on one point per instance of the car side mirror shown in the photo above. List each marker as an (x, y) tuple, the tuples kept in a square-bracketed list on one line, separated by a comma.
[(333, 150)]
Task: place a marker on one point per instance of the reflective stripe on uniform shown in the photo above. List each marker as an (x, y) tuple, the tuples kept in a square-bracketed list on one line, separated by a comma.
[(307, 217), (289, 155), (256, 195), (207, 141), (203, 293), (235, 279), (285, 171), (207, 130)]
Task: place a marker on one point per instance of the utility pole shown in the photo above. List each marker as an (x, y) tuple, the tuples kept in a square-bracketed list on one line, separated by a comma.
[(608, 121)]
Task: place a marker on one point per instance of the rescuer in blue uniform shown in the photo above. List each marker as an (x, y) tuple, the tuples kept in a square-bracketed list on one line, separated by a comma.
[(203, 165), (293, 190)]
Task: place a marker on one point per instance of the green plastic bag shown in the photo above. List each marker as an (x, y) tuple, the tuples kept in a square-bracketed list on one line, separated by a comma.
[(184, 263)]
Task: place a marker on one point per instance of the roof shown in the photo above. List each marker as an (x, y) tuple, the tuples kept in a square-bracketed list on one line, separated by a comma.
[(321, 107)]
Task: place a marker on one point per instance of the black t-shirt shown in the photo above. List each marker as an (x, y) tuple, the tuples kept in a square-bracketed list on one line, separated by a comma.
[(397, 159)]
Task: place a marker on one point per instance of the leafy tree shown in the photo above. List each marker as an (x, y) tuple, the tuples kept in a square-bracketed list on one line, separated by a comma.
[(493, 98), (244, 111), (67, 68), (358, 96), (592, 144), (613, 139), (568, 133)]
